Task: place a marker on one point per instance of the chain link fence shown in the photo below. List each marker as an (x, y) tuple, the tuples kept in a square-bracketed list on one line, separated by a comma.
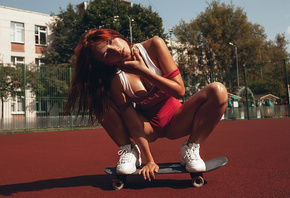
[(32, 97), (261, 92)]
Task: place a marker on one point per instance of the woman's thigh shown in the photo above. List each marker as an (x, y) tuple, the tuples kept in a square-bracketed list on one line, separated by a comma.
[(212, 98), (182, 121), (116, 128), (151, 135)]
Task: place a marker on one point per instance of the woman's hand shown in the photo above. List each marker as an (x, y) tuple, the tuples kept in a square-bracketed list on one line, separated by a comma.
[(148, 170), (135, 66)]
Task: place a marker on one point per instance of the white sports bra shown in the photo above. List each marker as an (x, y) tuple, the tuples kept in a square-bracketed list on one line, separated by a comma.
[(149, 63)]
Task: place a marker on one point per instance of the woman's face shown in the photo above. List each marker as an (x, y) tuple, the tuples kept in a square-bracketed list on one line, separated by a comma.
[(113, 51)]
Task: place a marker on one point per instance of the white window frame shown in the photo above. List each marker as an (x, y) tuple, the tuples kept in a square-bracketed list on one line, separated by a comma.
[(38, 32), (39, 62), (15, 102), (16, 60), (39, 107), (17, 32)]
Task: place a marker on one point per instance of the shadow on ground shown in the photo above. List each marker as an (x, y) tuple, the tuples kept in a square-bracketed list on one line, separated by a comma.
[(103, 182), (99, 181)]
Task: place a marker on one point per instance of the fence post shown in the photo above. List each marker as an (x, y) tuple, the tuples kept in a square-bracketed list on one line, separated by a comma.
[(24, 94), (246, 86), (287, 82), (71, 115)]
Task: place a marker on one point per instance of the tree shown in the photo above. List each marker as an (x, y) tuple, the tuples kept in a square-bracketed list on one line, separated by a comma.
[(11, 81), (113, 14), (269, 74), (146, 24), (210, 33), (64, 37), (49, 84)]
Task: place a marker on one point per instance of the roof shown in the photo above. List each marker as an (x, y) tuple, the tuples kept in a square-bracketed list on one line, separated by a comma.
[(234, 97), (269, 97)]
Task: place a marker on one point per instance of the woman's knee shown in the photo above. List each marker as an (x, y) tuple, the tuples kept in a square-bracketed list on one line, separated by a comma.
[(218, 92), (111, 119)]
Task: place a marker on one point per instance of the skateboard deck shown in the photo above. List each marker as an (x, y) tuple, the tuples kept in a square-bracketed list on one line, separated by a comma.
[(170, 168)]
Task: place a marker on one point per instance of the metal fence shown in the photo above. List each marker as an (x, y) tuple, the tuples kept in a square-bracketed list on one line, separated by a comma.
[(32, 98), (261, 92)]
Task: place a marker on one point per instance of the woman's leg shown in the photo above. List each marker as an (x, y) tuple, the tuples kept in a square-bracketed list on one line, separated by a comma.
[(130, 155), (198, 116), (115, 127), (117, 130)]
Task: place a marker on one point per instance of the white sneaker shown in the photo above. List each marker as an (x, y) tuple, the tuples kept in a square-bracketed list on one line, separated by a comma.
[(129, 159), (190, 158)]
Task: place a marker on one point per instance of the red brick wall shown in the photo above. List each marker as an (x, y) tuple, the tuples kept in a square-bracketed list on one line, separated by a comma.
[(17, 47)]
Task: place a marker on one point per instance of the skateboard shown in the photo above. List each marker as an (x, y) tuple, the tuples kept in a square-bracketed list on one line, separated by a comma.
[(170, 168)]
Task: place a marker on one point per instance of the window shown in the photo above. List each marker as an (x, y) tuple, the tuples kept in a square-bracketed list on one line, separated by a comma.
[(17, 32), (17, 104), (39, 62), (40, 35), (15, 60), (41, 106)]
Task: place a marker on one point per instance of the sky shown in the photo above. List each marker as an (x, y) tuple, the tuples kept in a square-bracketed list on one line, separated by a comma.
[(273, 15)]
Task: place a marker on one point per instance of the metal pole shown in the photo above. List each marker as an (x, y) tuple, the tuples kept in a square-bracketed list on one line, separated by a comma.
[(170, 33), (237, 64), (246, 87), (72, 114), (287, 83), (24, 94), (131, 36), (130, 28)]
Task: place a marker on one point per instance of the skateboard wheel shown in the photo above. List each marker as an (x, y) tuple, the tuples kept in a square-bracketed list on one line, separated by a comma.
[(198, 181), (117, 184)]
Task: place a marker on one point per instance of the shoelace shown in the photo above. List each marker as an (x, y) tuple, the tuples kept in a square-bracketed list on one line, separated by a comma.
[(191, 154), (124, 157)]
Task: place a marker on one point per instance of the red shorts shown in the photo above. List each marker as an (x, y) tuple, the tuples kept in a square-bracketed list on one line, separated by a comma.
[(157, 106), (160, 114)]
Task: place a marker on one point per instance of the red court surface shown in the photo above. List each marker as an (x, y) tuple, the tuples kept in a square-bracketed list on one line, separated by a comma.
[(71, 164)]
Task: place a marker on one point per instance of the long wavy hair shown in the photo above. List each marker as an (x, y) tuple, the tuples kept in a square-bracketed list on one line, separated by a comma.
[(91, 80)]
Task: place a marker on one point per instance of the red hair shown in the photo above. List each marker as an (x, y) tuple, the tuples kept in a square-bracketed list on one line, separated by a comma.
[(91, 80)]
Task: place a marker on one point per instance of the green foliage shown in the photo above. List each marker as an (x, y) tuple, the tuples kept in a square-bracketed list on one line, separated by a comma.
[(269, 86), (112, 14), (49, 81), (11, 80), (146, 24), (270, 75), (64, 36), (209, 35)]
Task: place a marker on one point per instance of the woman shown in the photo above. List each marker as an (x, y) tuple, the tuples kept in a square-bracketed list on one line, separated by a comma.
[(111, 75)]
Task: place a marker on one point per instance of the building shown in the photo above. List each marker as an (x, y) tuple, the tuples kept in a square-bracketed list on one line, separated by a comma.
[(24, 35)]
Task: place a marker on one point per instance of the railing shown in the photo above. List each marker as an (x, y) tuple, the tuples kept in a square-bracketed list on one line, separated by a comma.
[(32, 98)]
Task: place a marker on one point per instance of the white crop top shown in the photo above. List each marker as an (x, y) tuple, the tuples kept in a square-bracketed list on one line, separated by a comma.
[(149, 63)]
